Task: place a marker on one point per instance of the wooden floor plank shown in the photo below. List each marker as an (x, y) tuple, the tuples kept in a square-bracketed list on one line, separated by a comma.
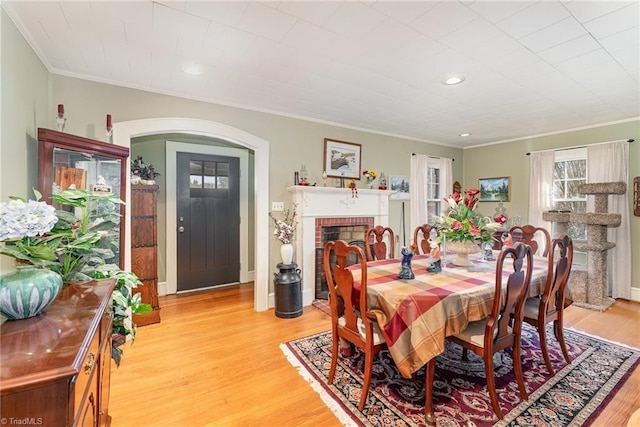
[(214, 361)]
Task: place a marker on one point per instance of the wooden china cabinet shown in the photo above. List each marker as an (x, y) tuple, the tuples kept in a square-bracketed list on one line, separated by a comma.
[(144, 248), (55, 368), (65, 159)]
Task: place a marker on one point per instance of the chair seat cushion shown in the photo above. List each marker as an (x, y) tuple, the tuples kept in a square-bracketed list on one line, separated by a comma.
[(378, 338), (474, 334), (531, 307)]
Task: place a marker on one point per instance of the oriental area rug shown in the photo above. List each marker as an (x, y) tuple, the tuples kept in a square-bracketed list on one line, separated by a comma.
[(573, 397)]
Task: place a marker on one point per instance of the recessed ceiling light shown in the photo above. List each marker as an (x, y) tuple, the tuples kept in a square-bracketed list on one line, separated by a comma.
[(465, 134), (454, 80), (192, 69)]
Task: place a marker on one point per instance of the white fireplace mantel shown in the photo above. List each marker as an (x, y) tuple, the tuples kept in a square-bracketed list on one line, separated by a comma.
[(330, 202)]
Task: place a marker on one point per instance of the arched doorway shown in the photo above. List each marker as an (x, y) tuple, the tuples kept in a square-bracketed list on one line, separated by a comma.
[(124, 131)]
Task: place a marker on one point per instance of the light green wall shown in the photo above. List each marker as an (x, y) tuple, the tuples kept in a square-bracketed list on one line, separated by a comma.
[(293, 142), (30, 94), (510, 159), (25, 106)]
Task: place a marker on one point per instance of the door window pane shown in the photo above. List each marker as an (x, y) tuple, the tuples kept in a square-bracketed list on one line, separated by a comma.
[(210, 175), (195, 174)]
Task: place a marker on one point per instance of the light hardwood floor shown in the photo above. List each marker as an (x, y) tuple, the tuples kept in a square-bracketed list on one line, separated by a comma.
[(214, 361)]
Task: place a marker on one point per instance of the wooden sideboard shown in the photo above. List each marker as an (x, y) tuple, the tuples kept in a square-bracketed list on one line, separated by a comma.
[(55, 368), (144, 249)]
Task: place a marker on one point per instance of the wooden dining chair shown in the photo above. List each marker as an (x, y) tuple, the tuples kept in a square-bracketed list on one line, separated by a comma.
[(422, 243), (532, 236), (502, 329), (376, 246), (350, 319), (549, 307)]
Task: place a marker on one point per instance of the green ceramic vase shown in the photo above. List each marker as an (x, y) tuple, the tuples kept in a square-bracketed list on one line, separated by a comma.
[(27, 291)]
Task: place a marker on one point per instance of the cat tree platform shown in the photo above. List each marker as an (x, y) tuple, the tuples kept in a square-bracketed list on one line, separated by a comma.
[(588, 284)]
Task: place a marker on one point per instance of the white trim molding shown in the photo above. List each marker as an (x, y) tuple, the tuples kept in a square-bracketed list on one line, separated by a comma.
[(124, 131)]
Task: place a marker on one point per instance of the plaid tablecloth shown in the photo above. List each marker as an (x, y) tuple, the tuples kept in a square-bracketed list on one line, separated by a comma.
[(416, 315)]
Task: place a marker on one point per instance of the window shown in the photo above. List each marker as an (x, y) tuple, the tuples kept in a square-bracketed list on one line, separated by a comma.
[(570, 171), (434, 190), (204, 174)]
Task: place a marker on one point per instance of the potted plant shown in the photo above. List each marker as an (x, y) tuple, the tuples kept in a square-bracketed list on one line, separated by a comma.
[(81, 246), (142, 172)]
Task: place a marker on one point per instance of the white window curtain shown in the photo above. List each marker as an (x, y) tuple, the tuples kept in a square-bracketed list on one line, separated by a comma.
[(418, 191), (541, 167), (418, 185), (446, 177), (610, 163)]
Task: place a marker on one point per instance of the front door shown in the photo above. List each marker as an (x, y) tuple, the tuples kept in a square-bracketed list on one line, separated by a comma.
[(208, 213)]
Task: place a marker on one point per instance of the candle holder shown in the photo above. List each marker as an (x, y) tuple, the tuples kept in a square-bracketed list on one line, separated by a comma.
[(61, 121), (109, 128), (304, 175)]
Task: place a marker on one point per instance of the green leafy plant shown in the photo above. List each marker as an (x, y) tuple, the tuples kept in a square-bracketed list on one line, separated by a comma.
[(124, 303), (80, 244)]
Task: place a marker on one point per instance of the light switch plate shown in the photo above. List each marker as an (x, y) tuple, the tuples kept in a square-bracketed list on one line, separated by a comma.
[(277, 206)]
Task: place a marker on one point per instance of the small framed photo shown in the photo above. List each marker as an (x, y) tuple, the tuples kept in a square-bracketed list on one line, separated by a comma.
[(495, 189), (342, 159), (400, 187)]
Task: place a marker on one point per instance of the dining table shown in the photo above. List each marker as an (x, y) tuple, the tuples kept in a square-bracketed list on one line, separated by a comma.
[(416, 315)]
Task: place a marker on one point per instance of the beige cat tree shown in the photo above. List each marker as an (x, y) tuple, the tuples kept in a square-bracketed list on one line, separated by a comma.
[(588, 285)]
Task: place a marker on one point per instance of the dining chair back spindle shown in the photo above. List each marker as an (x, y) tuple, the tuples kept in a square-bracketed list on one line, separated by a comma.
[(549, 307), (351, 321), (421, 238), (502, 329), (377, 248), (537, 237)]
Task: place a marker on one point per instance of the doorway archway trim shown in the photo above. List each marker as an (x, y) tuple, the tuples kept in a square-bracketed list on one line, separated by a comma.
[(124, 131)]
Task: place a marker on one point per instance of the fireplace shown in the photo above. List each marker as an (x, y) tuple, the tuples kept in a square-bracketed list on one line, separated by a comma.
[(351, 230), (328, 207)]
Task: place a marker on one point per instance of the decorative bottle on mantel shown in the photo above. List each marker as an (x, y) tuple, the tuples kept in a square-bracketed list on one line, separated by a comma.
[(500, 216)]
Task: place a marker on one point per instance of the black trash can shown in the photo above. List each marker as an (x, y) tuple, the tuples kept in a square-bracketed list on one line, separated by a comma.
[(288, 291)]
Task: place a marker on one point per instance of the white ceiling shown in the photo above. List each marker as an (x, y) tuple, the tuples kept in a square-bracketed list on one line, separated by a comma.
[(530, 67)]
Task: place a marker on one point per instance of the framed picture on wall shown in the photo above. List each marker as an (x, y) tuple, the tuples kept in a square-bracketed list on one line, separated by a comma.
[(495, 189), (400, 187), (342, 159)]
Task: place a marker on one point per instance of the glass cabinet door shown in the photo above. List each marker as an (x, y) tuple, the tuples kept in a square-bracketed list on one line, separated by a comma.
[(70, 161)]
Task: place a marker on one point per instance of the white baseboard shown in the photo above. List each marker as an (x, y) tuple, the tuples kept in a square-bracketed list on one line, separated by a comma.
[(635, 294)]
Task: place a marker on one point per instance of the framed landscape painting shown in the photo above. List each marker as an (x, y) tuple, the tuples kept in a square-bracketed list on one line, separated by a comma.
[(342, 159), (495, 189), (400, 187)]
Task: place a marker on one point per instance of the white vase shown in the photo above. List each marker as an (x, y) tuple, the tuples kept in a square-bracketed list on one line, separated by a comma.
[(286, 253), (462, 250)]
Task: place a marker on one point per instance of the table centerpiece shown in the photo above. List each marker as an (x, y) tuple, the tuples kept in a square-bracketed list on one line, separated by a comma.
[(462, 228)]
